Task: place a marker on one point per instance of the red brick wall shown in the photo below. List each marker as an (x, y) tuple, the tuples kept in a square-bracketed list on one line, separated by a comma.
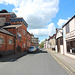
[(2, 47), (28, 39), (23, 37), (6, 46), (7, 17), (10, 46)]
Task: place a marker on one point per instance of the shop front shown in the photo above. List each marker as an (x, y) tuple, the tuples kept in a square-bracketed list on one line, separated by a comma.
[(71, 46), (70, 42)]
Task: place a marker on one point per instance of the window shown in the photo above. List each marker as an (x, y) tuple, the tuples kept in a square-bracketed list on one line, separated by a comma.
[(67, 28), (24, 32), (10, 41), (71, 46), (24, 45), (1, 40)]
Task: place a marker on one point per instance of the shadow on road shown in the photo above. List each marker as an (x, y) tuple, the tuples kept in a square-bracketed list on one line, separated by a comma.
[(13, 57), (38, 51)]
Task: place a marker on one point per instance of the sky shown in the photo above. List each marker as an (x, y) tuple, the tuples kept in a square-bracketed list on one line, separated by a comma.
[(42, 16)]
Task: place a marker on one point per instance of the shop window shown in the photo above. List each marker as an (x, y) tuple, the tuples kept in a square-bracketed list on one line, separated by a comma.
[(68, 46), (10, 41), (67, 28), (71, 46), (1, 40)]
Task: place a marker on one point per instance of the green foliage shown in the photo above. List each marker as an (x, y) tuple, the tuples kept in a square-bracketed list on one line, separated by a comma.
[(42, 44)]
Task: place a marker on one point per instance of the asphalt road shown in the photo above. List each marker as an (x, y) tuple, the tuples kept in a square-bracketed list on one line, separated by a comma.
[(38, 63)]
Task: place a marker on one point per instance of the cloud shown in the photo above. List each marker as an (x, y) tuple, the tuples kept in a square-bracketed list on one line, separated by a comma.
[(37, 13), (14, 2), (61, 22), (44, 31)]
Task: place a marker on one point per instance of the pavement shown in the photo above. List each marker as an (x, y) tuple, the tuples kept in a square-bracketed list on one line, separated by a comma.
[(68, 62)]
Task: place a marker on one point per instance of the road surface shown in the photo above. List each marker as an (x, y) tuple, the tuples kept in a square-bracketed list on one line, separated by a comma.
[(38, 63)]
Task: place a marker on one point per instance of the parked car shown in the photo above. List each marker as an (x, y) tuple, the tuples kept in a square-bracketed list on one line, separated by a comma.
[(32, 49)]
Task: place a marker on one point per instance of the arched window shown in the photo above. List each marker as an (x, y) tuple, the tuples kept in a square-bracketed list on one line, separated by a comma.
[(1, 39), (10, 41)]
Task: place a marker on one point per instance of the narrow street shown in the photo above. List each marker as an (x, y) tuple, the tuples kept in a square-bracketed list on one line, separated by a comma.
[(38, 63)]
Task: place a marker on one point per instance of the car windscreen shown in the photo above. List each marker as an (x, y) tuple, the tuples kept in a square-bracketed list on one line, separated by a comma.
[(31, 47)]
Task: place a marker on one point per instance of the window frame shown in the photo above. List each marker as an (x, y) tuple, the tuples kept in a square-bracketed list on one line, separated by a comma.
[(10, 42), (2, 40)]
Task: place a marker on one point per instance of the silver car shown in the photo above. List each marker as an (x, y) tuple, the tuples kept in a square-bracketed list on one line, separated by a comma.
[(32, 49)]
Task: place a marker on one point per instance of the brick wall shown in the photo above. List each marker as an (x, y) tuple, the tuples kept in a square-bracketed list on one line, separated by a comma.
[(7, 17), (23, 41), (6, 46)]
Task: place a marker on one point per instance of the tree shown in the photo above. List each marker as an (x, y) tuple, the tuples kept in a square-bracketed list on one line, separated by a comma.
[(42, 44)]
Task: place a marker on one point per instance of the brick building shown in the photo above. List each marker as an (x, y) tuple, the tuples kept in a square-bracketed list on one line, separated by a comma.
[(18, 27), (15, 29), (7, 42), (7, 15), (34, 41), (28, 39)]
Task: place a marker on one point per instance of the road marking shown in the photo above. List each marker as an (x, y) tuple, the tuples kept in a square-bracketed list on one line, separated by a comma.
[(62, 64)]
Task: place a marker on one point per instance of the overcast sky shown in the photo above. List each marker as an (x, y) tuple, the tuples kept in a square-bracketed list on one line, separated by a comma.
[(42, 16)]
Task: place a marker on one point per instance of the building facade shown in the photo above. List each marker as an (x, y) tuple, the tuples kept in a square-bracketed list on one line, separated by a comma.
[(46, 43), (28, 39), (69, 37), (16, 26), (59, 40), (52, 42), (20, 32), (7, 42), (34, 40)]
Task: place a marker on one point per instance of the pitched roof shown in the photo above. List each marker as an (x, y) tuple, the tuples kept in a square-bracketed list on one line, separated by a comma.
[(68, 21), (6, 32), (59, 33), (51, 37)]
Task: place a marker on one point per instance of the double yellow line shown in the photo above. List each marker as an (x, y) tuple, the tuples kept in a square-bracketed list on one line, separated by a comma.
[(62, 64)]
